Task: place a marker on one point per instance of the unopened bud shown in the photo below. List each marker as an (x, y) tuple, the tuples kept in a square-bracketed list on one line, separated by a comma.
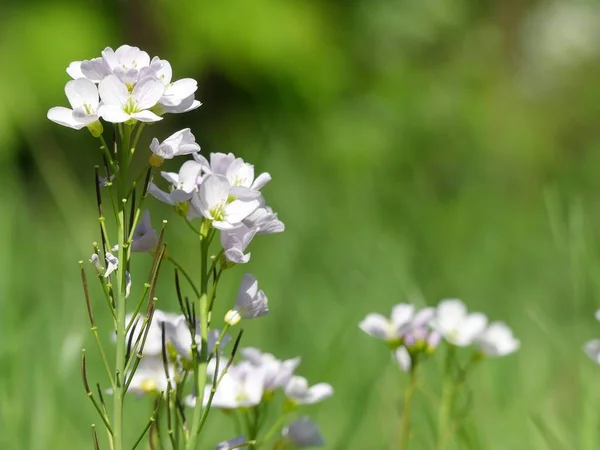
[(96, 128), (156, 161), (232, 317)]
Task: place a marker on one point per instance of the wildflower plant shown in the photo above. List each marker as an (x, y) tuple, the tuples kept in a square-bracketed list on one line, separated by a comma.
[(185, 360), (415, 336)]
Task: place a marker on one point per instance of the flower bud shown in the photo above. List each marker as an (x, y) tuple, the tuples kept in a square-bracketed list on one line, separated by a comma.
[(156, 161), (96, 128), (232, 317)]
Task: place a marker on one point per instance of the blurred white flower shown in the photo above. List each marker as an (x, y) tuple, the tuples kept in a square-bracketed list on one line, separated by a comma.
[(390, 330), (121, 105), (180, 143), (250, 303), (226, 445), (557, 37), (403, 358), (302, 433), (456, 325), (150, 376), (145, 238), (264, 221), (242, 386), (178, 333), (592, 349), (153, 344), (497, 340), (299, 392), (83, 97), (278, 372), (214, 203), (234, 243)]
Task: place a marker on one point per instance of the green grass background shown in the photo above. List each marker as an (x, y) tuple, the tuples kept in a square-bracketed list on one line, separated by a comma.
[(420, 149)]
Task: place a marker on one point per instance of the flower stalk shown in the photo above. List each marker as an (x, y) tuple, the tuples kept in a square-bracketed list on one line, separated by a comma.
[(408, 399)]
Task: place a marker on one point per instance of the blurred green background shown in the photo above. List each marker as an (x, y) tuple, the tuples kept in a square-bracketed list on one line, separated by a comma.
[(420, 149)]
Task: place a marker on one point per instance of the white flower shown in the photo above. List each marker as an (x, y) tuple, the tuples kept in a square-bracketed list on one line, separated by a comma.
[(120, 105), (180, 143), (419, 333), (150, 376), (403, 358), (145, 238), (126, 62), (213, 202), (226, 445), (497, 340), (240, 175), (264, 221), (299, 392), (175, 92), (278, 373), (83, 97), (153, 344), (250, 302), (392, 330), (177, 332), (592, 349), (242, 386), (457, 326), (234, 243), (302, 433), (183, 184), (112, 264)]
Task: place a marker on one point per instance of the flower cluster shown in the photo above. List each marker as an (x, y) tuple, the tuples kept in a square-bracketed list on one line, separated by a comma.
[(251, 383), (414, 335), (411, 333), (177, 358), (120, 86)]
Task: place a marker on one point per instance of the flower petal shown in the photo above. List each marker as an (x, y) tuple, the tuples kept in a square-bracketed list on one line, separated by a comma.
[(147, 92), (403, 358), (238, 210), (64, 116), (113, 91), (376, 325), (146, 116), (214, 191), (74, 70), (113, 114)]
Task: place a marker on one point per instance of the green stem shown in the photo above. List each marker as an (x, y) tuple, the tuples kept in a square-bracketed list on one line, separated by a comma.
[(106, 151), (201, 359), (408, 397), (118, 394), (277, 426), (445, 410)]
